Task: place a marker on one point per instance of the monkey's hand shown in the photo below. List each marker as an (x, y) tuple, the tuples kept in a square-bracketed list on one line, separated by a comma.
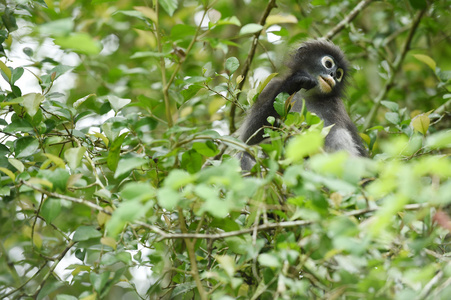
[(297, 81)]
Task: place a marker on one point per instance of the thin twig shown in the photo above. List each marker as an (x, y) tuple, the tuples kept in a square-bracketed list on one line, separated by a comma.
[(396, 66), (192, 257), (262, 227), (343, 23), (68, 198), (52, 268), (249, 59)]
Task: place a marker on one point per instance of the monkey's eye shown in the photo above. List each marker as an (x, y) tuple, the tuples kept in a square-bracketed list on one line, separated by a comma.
[(328, 62), (339, 74)]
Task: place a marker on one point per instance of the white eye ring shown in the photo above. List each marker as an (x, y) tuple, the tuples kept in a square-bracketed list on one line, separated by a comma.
[(327, 62), (339, 74)]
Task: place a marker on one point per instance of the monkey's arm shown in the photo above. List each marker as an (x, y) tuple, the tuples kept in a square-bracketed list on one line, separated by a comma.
[(264, 106)]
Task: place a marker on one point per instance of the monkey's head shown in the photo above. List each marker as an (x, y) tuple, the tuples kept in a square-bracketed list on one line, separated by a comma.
[(325, 63)]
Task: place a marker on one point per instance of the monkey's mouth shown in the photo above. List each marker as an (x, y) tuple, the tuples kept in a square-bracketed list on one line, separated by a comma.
[(326, 83)]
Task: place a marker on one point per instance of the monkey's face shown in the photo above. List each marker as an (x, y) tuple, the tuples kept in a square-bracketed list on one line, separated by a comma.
[(325, 64), (328, 75)]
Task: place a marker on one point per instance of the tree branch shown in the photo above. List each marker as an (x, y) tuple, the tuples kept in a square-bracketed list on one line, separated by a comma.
[(396, 66), (192, 257), (343, 23), (263, 227), (247, 64), (68, 198)]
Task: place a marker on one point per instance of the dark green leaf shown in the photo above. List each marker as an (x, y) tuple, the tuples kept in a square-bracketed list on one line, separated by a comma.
[(51, 209), (9, 20), (26, 146)]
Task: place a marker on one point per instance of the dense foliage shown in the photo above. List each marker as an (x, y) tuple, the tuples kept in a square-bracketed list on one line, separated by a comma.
[(119, 177)]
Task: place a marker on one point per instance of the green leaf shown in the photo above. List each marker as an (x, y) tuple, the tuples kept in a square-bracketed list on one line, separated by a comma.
[(138, 191), (232, 64), (127, 164), (9, 21), (393, 117), (79, 42), (393, 106), (8, 172), (31, 102), (191, 91), (5, 70), (269, 260), (115, 152), (26, 146), (182, 31), (99, 281), (279, 104), (51, 209), (304, 145), (57, 177), (421, 123), (61, 27), (16, 74), (128, 211), (233, 20), (192, 161), (169, 6), (117, 103), (427, 60), (74, 156), (178, 178), (84, 233), (147, 12), (227, 263), (208, 148), (439, 140), (16, 164), (250, 28), (168, 198)]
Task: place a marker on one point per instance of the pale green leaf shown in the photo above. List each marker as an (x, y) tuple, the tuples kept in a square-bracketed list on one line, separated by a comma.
[(8, 172), (79, 42), (421, 123), (74, 156), (232, 64), (5, 70), (304, 145), (280, 19), (250, 28), (31, 102), (427, 60), (147, 12), (84, 233), (125, 165), (269, 260), (117, 103), (17, 164), (169, 6)]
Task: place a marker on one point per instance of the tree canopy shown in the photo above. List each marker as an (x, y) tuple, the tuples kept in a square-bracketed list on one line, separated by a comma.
[(119, 176)]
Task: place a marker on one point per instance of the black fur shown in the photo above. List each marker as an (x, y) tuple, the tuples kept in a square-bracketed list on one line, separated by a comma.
[(305, 67)]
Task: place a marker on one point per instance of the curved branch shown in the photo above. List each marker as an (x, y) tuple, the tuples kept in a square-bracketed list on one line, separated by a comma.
[(396, 66)]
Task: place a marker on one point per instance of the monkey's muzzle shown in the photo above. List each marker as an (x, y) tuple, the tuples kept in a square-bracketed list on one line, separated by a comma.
[(326, 83)]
